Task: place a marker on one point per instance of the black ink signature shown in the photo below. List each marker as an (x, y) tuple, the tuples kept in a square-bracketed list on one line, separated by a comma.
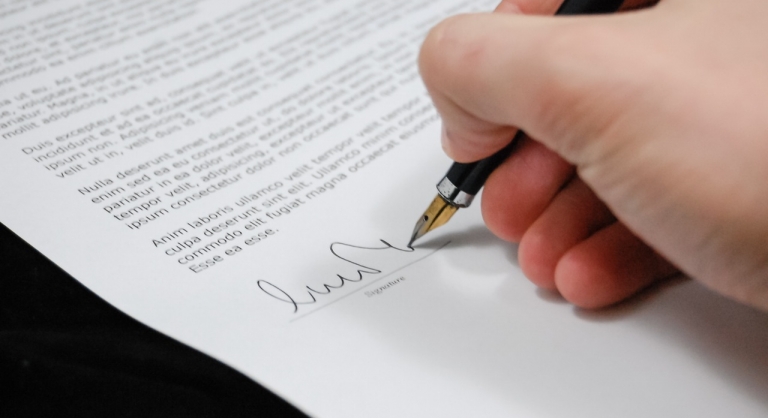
[(362, 270)]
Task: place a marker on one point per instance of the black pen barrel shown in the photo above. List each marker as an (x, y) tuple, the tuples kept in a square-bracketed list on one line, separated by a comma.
[(581, 7), (470, 177)]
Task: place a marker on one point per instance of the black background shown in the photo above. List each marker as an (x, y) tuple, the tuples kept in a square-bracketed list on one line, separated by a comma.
[(66, 352)]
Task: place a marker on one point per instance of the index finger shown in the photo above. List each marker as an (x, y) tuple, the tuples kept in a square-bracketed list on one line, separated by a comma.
[(478, 70)]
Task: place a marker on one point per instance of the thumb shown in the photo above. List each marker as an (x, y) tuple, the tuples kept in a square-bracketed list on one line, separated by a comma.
[(556, 78)]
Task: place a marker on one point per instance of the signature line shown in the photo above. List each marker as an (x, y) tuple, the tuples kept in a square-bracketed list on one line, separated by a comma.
[(372, 282)]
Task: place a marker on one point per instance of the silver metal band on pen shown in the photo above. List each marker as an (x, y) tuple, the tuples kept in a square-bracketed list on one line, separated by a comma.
[(453, 195)]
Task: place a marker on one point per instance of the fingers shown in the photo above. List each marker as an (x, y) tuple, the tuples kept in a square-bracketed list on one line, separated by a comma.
[(489, 72), (521, 188), (574, 214), (608, 267), (570, 240)]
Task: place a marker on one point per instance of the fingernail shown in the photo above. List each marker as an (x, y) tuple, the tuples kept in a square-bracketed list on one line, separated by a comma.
[(508, 7)]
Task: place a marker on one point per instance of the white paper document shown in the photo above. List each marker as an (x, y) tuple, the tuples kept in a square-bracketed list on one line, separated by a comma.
[(244, 176)]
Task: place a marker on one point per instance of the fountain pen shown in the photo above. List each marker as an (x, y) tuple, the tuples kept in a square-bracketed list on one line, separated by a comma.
[(462, 182)]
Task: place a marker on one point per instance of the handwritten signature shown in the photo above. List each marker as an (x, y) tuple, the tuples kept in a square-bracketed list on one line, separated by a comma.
[(362, 271)]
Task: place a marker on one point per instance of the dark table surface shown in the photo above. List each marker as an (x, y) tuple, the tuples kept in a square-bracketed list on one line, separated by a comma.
[(66, 352)]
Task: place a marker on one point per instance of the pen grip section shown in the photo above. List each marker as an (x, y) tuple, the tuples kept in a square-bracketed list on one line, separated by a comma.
[(470, 177)]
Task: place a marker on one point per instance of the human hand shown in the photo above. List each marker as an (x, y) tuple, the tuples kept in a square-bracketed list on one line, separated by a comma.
[(651, 140)]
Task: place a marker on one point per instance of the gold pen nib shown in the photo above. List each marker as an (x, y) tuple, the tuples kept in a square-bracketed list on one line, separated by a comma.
[(437, 214)]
